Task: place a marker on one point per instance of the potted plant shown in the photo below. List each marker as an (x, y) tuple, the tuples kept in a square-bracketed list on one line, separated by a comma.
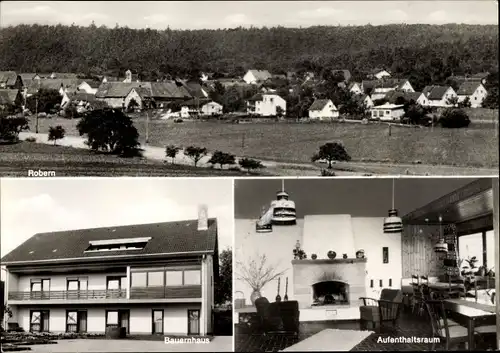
[(331, 254), (314, 256), (257, 273)]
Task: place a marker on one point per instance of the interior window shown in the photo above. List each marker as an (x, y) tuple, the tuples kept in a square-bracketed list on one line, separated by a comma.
[(469, 246)]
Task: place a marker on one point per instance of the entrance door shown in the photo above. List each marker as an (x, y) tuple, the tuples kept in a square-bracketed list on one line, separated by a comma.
[(123, 321), (193, 322), (76, 321), (157, 324)]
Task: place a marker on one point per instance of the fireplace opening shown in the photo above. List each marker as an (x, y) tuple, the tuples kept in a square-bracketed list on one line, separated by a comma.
[(330, 293)]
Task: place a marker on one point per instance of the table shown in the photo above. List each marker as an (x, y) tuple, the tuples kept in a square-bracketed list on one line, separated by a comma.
[(471, 314), (445, 286)]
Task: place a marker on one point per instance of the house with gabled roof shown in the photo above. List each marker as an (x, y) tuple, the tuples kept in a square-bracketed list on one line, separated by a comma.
[(439, 96), (355, 88), (82, 100), (364, 99), (10, 80), (417, 97), (88, 86), (474, 90), (323, 109), (65, 85), (378, 73), (11, 97), (140, 279), (266, 105), (257, 76), (379, 88), (116, 93)]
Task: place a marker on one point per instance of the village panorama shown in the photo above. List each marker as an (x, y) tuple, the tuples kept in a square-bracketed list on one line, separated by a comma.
[(306, 99)]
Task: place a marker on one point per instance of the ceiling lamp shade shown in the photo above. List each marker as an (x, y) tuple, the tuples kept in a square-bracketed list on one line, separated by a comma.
[(441, 246), (393, 223)]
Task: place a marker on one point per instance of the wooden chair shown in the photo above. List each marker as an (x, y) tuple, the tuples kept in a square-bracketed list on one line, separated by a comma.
[(452, 334), (379, 311), (417, 296), (460, 291)]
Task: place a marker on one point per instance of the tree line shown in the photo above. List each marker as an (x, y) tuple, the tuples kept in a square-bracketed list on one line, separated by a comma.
[(425, 54)]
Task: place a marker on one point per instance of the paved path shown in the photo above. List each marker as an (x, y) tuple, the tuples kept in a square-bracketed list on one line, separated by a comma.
[(218, 344)]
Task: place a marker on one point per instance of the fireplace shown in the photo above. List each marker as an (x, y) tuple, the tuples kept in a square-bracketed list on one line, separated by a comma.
[(330, 293)]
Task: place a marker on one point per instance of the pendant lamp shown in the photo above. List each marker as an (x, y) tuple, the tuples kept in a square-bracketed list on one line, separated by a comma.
[(393, 223), (441, 246)]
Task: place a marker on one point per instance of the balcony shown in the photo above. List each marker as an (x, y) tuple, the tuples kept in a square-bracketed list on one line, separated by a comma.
[(160, 292), (111, 295), (69, 295)]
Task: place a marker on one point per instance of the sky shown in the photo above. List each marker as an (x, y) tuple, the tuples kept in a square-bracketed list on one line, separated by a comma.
[(30, 206), (230, 14), (356, 197)]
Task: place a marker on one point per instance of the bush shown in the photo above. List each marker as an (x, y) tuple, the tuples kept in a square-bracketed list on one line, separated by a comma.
[(56, 133), (30, 139), (454, 118), (327, 172), (250, 164)]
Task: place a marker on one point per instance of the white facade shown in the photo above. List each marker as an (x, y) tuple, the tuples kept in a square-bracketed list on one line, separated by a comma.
[(267, 106), (477, 98), (381, 74), (356, 88), (388, 112), (211, 108), (135, 96), (368, 102), (251, 78), (443, 101), (329, 111)]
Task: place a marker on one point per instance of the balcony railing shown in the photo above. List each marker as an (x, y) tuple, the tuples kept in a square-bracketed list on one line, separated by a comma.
[(69, 294), (161, 292), (177, 292)]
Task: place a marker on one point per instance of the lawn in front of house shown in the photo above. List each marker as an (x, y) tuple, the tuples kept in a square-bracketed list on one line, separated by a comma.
[(476, 146)]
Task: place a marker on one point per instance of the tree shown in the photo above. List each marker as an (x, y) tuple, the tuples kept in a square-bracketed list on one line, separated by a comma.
[(250, 164), (110, 130), (56, 133), (11, 126), (44, 101), (465, 103), (195, 153), (331, 151), (454, 118), (171, 152), (70, 111), (224, 287), (222, 159), (453, 101), (132, 105), (279, 111)]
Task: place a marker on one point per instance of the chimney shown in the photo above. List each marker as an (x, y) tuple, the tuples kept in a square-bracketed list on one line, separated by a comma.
[(202, 217)]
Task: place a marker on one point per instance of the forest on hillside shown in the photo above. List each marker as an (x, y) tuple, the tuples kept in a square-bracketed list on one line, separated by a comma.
[(423, 53)]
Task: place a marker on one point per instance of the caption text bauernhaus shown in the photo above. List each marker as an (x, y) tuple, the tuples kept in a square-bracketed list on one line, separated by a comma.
[(41, 173)]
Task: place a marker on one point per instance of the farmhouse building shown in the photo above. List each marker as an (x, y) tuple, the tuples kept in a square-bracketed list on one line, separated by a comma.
[(323, 109), (10, 80), (257, 76), (211, 108), (88, 86), (168, 91), (474, 90), (440, 96), (388, 112), (11, 97), (379, 88), (145, 279), (66, 85), (266, 105), (417, 97), (364, 99), (116, 94), (378, 74), (355, 88), (83, 101)]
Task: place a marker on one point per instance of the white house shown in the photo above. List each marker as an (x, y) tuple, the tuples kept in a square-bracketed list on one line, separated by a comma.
[(417, 97), (266, 105), (83, 101), (365, 100), (211, 108), (474, 90), (355, 88), (439, 96), (379, 74), (382, 87), (323, 109), (257, 76), (388, 112)]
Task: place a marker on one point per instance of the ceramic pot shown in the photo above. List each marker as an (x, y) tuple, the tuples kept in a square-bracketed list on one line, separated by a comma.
[(332, 254), (314, 256), (344, 256), (254, 296)]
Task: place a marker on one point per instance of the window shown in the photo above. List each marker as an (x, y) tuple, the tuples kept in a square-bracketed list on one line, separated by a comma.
[(71, 321), (387, 112), (138, 279), (469, 246), (117, 244), (36, 286), (192, 277), (77, 283), (155, 279), (116, 282), (112, 318), (490, 249), (174, 278)]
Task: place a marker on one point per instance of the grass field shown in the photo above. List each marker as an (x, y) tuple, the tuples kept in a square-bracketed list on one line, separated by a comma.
[(17, 159), (476, 146)]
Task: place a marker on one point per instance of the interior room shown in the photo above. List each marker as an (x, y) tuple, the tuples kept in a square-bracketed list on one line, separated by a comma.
[(338, 264)]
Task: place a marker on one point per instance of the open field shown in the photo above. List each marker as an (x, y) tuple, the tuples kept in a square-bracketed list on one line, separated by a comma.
[(17, 159), (482, 115), (476, 146)]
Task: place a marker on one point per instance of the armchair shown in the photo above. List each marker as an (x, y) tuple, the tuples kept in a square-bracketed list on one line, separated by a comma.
[(381, 310), (278, 317)]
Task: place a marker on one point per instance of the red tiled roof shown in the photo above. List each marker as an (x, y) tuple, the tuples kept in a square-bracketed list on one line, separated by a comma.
[(168, 238)]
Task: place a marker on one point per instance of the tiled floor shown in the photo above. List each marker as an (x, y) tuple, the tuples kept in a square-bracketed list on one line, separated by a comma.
[(408, 326)]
